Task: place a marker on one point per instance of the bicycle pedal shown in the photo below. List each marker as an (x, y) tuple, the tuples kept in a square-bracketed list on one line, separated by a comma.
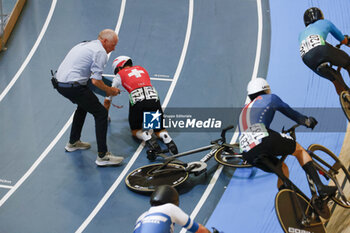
[(321, 207), (196, 166)]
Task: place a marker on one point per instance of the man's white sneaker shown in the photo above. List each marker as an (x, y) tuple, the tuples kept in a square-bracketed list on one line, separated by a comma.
[(109, 160), (78, 145)]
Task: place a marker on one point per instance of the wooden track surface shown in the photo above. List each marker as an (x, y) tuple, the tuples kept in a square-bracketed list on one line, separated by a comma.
[(340, 220)]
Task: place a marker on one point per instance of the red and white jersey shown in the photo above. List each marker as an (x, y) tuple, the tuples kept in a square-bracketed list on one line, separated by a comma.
[(132, 78)]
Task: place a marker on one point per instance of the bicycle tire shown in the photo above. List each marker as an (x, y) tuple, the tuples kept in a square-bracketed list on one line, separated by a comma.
[(290, 216), (345, 104), (341, 174), (230, 158), (144, 180)]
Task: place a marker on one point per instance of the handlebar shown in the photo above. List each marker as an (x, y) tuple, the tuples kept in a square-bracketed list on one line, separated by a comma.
[(291, 130), (223, 135)]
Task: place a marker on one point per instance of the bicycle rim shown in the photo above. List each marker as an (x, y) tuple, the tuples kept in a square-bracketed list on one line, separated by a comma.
[(230, 157), (290, 215), (340, 177), (345, 104), (146, 178)]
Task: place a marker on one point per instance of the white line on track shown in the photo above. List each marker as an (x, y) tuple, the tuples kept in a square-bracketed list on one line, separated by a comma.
[(162, 79), (32, 51), (6, 186), (139, 149), (235, 135)]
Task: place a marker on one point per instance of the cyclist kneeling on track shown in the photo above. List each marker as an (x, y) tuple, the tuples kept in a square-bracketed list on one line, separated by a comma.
[(257, 140), (164, 213), (317, 53), (143, 98)]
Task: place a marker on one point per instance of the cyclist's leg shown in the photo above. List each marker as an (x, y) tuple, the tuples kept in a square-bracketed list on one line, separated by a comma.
[(280, 144), (301, 154), (161, 132), (338, 57), (168, 141), (264, 155), (305, 162), (136, 125), (285, 171), (324, 70), (317, 60), (140, 134)]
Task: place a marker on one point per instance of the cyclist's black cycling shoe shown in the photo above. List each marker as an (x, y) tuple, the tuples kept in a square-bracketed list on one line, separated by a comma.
[(321, 207), (153, 145), (151, 155), (172, 147), (327, 191)]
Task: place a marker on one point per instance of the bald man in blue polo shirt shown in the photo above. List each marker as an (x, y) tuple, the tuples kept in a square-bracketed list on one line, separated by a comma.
[(85, 62)]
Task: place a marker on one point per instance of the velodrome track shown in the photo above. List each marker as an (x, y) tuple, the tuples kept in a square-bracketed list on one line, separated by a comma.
[(208, 51)]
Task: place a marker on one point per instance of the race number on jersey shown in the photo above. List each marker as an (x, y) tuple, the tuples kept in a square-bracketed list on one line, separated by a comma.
[(309, 43), (252, 137)]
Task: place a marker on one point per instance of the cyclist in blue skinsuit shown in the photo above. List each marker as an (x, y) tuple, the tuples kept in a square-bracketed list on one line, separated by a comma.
[(317, 53), (164, 213), (257, 139)]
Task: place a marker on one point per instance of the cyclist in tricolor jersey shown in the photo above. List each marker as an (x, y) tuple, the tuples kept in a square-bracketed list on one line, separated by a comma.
[(164, 213), (317, 53), (257, 139)]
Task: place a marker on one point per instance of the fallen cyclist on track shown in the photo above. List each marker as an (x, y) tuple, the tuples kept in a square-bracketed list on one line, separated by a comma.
[(143, 98), (317, 53), (164, 213), (257, 139)]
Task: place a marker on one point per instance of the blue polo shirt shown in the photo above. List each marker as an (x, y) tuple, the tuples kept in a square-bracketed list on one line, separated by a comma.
[(84, 61)]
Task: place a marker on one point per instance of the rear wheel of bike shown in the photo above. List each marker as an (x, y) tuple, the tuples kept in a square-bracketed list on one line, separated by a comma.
[(344, 101), (230, 156), (145, 179), (339, 175), (290, 207)]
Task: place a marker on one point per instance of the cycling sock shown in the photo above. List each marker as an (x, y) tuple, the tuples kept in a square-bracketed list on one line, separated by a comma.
[(165, 137), (312, 173), (143, 135)]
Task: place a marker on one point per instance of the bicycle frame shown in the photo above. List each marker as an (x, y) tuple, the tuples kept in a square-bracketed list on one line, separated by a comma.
[(214, 145)]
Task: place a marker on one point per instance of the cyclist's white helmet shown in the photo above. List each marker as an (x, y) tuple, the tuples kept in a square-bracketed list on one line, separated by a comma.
[(257, 85), (119, 62)]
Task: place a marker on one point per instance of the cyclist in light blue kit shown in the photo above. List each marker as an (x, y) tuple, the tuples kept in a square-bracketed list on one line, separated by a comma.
[(317, 53), (257, 139), (164, 213)]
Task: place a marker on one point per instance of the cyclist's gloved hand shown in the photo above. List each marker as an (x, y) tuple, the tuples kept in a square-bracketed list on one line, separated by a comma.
[(346, 40), (311, 122)]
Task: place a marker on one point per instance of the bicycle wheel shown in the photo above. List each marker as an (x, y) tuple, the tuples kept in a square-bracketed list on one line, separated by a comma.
[(146, 178), (231, 157), (290, 209), (345, 104), (336, 171)]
